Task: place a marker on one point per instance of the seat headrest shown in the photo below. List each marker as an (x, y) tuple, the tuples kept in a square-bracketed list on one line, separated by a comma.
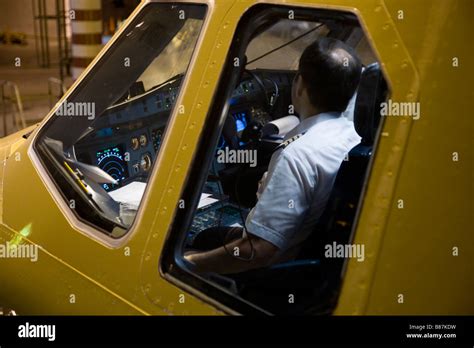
[(371, 93)]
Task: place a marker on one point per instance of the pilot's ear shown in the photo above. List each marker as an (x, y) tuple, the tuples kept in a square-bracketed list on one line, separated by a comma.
[(299, 86)]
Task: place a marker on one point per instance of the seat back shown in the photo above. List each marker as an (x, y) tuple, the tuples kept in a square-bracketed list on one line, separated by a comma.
[(336, 223)]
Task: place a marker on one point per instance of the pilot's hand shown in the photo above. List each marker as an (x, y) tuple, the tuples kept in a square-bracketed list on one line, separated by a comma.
[(189, 256), (188, 253), (260, 185)]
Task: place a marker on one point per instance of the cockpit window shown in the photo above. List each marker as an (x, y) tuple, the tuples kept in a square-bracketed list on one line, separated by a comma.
[(286, 37), (282, 163), (166, 65), (101, 143)]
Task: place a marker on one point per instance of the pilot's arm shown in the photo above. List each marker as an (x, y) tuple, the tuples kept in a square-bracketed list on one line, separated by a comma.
[(254, 252), (270, 226)]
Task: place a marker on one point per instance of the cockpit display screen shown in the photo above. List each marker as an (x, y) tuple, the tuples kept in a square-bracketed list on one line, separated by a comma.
[(112, 161), (240, 119)]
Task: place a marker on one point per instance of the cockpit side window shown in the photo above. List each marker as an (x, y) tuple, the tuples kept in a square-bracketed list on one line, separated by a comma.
[(100, 145), (258, 175)]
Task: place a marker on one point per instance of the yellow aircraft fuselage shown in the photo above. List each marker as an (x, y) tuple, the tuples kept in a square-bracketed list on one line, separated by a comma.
[(426, 163)]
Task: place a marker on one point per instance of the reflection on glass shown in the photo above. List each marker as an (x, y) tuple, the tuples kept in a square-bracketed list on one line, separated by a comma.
[(100, 148)]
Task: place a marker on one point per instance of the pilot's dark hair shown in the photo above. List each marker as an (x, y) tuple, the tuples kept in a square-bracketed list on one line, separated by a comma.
[(331, 73)]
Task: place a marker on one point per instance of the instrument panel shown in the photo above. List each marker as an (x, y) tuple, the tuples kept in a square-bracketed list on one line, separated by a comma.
[(129, 157), (128, 135), (125, 152)]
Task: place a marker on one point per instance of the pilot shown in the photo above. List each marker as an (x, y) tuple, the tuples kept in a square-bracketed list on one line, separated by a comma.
[(294, 192)]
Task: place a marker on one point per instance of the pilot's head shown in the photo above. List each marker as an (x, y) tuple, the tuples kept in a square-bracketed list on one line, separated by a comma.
[(328, 75)]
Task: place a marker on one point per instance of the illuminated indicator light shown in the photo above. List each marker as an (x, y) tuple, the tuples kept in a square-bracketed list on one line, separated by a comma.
[(24, 233)]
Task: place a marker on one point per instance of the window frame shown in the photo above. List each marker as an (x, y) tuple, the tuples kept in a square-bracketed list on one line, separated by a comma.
[(79, 223), (171, 264)]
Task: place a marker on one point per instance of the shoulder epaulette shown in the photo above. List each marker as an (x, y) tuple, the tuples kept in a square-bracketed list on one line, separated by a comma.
[(288, 142)]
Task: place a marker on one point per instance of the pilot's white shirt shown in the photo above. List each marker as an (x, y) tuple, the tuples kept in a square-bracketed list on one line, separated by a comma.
[(299, 180)]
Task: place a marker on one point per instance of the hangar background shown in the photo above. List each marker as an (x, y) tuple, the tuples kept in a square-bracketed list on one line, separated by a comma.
[(44, 46)]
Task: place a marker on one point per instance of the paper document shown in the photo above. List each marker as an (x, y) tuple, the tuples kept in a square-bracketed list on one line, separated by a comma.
[(205, 200), (130, 194)]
